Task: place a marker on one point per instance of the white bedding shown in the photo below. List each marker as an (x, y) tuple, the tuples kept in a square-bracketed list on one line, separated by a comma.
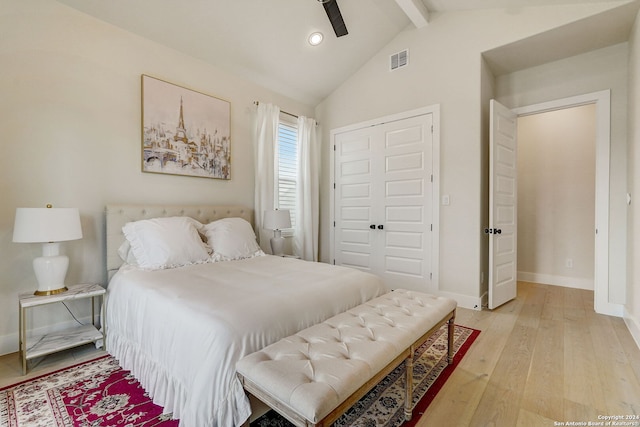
[(181, 331)]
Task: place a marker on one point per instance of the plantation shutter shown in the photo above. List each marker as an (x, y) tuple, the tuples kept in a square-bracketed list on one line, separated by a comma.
[(287, 168)]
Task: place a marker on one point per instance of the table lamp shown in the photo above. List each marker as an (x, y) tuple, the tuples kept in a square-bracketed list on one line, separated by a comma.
[(277, 220), (48, 226)]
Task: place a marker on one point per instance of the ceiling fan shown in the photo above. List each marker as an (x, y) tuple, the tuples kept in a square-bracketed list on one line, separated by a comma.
[(335, 17)]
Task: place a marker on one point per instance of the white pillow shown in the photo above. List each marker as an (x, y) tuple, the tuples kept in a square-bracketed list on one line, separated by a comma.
[(166, 242), (126, 254), (231, 239)]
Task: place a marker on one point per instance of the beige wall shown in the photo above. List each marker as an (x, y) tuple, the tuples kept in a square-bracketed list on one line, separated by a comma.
[(70, 120), (632, 305), (556, 197), (445, 68)]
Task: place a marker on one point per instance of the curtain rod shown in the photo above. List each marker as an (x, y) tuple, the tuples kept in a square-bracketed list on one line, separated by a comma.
[(282, 111), (256, 103)]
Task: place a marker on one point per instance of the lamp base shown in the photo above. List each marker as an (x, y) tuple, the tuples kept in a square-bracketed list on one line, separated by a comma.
[(50, 269), (51, 292), (277, 243)]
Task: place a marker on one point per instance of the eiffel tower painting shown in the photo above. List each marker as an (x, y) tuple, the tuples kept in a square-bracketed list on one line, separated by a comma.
[(184, 132)]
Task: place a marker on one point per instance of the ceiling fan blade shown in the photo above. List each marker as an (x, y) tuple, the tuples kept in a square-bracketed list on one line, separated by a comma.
[(335, 17)]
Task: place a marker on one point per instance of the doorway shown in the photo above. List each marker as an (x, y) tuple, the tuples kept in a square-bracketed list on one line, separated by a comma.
[(602, 102), (556, 203)]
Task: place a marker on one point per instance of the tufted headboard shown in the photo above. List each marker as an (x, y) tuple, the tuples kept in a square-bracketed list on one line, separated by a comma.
[(118, 215)]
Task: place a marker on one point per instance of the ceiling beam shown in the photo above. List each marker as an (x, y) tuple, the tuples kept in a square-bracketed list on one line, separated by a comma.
[(416, 11)]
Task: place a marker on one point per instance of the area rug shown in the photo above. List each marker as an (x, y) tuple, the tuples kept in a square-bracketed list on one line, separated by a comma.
[(91, 394), (100, 393)]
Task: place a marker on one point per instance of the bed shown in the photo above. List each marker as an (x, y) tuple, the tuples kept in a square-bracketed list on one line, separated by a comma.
[(181, 328)]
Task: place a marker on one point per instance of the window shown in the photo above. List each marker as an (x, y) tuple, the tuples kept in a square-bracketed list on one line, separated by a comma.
[(287, 174)]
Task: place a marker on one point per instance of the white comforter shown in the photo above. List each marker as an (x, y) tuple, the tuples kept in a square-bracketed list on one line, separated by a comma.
[(181, 331)]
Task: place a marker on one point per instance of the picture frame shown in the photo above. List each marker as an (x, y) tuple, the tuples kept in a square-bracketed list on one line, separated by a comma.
[(184, 132)]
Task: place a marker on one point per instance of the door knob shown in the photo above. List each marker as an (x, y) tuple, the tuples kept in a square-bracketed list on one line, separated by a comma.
[(497, 231), (380, 227), (372, 226)]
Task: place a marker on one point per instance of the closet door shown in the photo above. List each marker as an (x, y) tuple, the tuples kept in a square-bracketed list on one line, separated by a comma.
[(382, 201), (355, 198), (404, 242)]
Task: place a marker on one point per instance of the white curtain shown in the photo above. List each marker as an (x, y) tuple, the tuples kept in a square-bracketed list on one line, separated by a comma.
[(305, 240), (266, 137)]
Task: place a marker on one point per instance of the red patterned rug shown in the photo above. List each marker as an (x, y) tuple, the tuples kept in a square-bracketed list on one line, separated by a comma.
[(100, 393), (95, 393)]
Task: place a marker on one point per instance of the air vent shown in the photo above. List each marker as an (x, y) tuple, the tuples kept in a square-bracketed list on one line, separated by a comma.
[(400, 59)]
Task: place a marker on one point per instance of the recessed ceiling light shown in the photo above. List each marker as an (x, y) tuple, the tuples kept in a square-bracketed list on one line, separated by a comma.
[(315, 38)]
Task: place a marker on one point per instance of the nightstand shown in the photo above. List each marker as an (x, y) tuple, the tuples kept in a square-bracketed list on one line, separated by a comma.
[(57, 341)]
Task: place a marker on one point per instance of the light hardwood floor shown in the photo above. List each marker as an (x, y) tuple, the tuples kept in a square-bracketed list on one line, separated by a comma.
[(541, 360)]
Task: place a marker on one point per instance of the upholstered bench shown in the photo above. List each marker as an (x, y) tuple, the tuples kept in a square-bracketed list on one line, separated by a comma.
[(314, 376)]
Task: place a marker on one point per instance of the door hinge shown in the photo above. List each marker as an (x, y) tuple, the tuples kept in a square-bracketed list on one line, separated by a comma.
[(430, 276), (431, 128), (431, 227), (334, 223), (431, 177), (334, 185), (334, 147)]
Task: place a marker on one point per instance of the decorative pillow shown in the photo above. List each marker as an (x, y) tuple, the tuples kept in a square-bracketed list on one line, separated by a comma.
[(166, 242), (231, 239)]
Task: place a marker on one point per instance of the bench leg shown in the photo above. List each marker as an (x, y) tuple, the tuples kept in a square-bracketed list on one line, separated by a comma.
[(450, 343), (408, 389)]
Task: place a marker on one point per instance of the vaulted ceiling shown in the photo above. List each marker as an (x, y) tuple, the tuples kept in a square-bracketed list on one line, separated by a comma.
[(265, 41)]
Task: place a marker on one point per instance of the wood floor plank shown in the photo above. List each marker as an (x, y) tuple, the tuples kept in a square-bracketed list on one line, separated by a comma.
[(528, 419), (582, 382), (578, 412), (553, 304), (500, 403), (544, 389), (629, 346), (463, 391)]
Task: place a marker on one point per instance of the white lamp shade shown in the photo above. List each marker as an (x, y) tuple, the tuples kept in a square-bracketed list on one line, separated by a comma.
[(277, 219), (40, 225)]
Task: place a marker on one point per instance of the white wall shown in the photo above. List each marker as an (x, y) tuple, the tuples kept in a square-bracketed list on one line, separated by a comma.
[(632, 305), (446, 69), (71, 136), (556, 197)]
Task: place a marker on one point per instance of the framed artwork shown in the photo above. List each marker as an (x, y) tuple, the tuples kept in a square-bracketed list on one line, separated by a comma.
[(184, 132)]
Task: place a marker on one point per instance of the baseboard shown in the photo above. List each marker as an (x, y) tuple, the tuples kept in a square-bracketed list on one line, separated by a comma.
[(464, 301), (633, 324), (549, 279), (9, 343)]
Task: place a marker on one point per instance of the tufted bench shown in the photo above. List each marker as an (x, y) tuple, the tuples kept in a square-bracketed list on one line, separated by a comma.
[(314, 376)]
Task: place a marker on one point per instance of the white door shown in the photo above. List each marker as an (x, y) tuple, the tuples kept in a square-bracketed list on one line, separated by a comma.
[(502, 205), (354, 197), (383, 201)]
